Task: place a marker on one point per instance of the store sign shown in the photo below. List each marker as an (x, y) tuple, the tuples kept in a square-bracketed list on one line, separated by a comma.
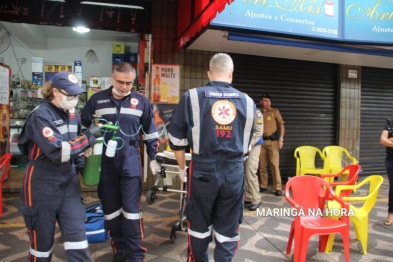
[(318, 18), (165, 84), (352, 73), (369, 20), (352, 20)]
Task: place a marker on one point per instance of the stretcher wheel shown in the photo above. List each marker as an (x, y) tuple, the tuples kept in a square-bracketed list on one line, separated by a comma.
[(173, 237), (151, 197)]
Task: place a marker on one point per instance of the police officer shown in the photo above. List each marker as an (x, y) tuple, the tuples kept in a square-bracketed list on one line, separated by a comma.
[(216, 121), (50, 189), (251, 165), (120, 185), (273, 142)]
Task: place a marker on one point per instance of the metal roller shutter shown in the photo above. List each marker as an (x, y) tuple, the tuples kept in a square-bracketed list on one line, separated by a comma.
[(376, 108), (304, 92)]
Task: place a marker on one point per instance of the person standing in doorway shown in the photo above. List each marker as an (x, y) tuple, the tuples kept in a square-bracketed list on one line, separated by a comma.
[(270, 149), (217, 122)]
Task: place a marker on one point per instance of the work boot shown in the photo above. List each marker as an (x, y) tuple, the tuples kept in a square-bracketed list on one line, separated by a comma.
[(120, 257)]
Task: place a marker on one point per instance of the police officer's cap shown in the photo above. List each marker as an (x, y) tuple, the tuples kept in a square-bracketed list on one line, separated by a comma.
[(68, 82), (265, 96)]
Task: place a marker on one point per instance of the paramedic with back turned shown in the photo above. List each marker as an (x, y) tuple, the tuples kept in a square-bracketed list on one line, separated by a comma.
[(216, 121), (120, 185), (51, 190)]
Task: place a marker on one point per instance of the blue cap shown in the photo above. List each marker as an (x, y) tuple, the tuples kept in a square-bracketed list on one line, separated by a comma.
[(68, 82)]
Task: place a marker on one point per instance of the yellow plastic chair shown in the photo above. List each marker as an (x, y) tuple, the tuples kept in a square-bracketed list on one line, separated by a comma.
[(334, 154), (359, 217), (305, 161)]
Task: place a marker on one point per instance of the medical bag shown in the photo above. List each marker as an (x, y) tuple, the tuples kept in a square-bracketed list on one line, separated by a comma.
[(96, 231)]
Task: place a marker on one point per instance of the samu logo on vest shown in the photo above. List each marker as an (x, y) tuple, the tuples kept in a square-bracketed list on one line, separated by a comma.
[(223, 112)]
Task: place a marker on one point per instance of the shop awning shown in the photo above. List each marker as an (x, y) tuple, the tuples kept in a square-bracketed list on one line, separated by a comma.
[(261, 39), (193, 16)]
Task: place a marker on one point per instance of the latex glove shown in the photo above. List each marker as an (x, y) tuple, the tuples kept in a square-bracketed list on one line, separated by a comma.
[(93, 130), (183, 175), (155, 167), (88, 152)]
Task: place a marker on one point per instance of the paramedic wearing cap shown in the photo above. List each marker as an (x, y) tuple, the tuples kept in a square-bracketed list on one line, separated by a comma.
[(216, 121), (51, 190), (271, 146), (120, 185)]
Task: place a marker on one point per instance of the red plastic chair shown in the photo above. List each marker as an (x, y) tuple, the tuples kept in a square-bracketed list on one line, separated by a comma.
[(4, 169), (307, 224), (353, 174)]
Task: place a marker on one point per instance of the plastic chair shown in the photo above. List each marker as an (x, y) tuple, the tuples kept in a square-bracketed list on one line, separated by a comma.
[(305, 161), (308, 224), (4, 169), (359, 215), (334, 154), (353, 174)]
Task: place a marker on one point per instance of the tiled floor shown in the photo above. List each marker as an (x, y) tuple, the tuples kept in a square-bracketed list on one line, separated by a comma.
[(262, 238)]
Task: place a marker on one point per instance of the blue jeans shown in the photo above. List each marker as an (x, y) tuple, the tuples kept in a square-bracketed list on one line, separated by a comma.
[(389, 171)]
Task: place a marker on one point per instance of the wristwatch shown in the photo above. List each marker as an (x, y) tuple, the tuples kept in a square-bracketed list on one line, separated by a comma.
[(282, 139)]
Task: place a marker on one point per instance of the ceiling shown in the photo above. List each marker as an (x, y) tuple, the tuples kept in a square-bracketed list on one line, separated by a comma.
[(216, 40), (35, 36)]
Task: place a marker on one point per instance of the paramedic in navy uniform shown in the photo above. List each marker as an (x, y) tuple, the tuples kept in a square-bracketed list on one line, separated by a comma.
[(217, 122), (120, 185), (51, 190)]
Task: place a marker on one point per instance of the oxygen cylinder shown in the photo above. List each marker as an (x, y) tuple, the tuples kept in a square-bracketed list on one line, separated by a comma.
[(91, 174)]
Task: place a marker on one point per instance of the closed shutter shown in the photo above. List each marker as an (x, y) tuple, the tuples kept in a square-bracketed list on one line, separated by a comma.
[(304, 92), (376, 108)]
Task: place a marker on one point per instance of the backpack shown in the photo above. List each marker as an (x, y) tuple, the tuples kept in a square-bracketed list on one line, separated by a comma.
[(96, 231)]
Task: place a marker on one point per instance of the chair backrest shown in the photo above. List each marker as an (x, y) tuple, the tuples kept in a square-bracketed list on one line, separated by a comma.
[(375, 184), (4, 166), (353, 174), (306, 156), (334, 155), (309, 199)]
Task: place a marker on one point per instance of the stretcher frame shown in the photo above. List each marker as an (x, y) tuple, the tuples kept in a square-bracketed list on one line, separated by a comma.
[(151, 196)]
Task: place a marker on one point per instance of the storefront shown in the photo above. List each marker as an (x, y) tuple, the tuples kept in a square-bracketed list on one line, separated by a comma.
[(314, 88)]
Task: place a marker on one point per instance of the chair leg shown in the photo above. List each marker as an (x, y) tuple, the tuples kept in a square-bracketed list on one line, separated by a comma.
[(302, 254), (345, 237), (363, 234), (290, 239), (323, 239), (330, 243)]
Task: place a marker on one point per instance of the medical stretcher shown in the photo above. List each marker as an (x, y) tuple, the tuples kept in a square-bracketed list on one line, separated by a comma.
[(167, 160)]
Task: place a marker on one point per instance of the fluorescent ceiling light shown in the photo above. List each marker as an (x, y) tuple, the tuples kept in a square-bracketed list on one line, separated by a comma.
[(112, 5), (81, 29), (55, 1)]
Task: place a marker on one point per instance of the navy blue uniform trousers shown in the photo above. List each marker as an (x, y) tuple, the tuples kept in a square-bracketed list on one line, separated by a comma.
[(214, 206)]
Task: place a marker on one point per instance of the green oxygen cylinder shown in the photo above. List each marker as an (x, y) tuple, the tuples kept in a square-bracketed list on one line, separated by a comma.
[(91, 174)]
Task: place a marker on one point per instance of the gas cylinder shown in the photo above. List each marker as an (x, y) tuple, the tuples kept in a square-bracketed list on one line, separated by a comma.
[(91, 174)]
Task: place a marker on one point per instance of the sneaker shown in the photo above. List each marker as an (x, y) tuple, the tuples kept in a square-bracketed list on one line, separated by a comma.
[(120, 257)]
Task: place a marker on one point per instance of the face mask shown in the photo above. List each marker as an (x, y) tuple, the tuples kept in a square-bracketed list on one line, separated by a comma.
[(66, 105), (117, 93)]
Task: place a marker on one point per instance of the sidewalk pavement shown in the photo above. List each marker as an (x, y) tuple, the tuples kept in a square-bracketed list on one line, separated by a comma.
[(263, 238)]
